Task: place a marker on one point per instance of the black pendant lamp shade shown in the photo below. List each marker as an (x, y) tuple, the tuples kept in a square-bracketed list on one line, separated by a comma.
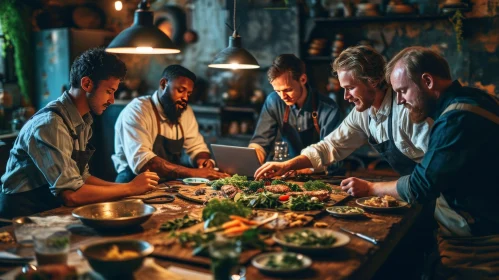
[(142, 37), (234, 56)]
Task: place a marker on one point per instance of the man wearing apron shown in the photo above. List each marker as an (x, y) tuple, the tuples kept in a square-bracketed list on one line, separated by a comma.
[(293, 113), (459, 168), (375, 120), (153, 131), (48, 165)]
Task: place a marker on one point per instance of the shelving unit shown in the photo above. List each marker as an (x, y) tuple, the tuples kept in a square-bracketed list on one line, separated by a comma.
[(387, 18)]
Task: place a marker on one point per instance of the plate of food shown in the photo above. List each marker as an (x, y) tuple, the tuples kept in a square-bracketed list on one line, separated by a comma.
[(281, 262), (195, 181), (385, 203), (345, 211), (310, 239)]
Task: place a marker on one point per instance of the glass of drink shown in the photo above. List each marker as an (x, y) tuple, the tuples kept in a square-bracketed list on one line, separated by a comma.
[(224, 256), (51, 246), (280, 151)]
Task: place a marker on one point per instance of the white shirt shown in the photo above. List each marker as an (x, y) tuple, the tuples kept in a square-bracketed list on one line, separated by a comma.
[(136, 130), (410, 138)]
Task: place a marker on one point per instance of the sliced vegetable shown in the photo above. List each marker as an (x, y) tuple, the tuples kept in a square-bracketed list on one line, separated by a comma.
[(284, 197)]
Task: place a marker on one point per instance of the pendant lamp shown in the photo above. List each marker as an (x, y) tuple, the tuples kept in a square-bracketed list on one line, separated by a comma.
[(142, 37), (234, 56)]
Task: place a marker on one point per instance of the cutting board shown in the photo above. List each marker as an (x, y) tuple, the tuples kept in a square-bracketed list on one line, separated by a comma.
[(171, 249)]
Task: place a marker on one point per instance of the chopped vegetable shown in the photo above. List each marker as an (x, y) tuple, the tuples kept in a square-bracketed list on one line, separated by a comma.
[(288, 261), (303, 203), (317, 185), (179, 223), (225, 206), (284, 197), (309, 238)]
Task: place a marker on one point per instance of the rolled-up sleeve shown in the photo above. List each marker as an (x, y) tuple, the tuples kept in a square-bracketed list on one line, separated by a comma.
[(338, 144), (50, 148), (193, 140), (137, 137), (267, 126)]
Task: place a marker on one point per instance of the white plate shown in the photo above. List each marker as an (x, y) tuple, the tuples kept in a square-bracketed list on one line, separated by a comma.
[(331, 210), (341, 239), (360, 202), (261, 260), (195, 181)]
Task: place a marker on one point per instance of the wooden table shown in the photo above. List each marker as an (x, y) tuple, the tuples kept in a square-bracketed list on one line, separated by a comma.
[(357, 260)]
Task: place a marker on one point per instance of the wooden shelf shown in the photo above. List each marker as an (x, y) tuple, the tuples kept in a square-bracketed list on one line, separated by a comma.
[(380, 19)]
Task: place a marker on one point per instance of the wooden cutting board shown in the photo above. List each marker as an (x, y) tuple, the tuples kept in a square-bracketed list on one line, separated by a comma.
[(189, 193), (167, 247)]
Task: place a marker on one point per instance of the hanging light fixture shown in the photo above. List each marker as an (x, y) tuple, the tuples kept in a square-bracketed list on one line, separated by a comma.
[(234, 56), (142, 37)]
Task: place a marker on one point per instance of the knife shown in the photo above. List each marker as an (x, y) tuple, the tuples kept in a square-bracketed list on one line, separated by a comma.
[(360, 235)]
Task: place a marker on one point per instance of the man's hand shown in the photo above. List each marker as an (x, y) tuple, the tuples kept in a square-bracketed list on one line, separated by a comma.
[(261, 155), (357, 187), (271, 169), (208, 174), (144, 182)]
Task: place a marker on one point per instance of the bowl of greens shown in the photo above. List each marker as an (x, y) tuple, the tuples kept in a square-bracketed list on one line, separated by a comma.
[(281, 262), (310, 239)]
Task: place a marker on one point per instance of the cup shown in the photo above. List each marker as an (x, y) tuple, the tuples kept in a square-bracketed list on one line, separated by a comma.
[(51, 246), (281, 152), (224, 256)]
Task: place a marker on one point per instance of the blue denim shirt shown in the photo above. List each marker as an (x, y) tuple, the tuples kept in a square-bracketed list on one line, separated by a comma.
[(461, 162), (41, 154), (269, 126)]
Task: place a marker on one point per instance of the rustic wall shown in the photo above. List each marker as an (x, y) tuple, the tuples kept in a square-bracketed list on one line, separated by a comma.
[(474, 65)]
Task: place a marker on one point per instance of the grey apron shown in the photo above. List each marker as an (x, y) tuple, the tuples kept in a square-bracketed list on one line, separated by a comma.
[(299, 140), (165, 148), (389, 151), (41, 199)]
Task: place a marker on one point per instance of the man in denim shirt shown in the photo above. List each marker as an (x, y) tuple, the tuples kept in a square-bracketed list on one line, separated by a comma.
[(299, 115), (48, 165)]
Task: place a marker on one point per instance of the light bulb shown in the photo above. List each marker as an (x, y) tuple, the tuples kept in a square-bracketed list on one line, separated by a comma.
[(118, 5)]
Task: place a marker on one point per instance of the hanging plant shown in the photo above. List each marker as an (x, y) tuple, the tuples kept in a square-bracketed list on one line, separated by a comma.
[(15, 18), (457, 22)]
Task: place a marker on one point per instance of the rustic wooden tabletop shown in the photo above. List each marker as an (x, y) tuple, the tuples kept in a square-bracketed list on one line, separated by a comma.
[(359, 259)]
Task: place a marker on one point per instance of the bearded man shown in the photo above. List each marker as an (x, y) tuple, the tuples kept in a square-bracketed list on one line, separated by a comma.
[(458, 169), (152, 131)]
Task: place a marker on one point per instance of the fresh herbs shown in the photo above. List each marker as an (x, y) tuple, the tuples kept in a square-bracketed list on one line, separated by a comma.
[(288, 261), (317, 185), (179, 223), (260, 200), (292, 186), (237, 181), (309, 238), (217, 211), (303, 203)]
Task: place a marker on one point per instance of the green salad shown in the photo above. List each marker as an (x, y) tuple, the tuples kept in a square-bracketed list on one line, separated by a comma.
[(309, 238), (288, 261)]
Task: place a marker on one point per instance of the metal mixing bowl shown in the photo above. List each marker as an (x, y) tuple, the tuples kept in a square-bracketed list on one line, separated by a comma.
[(116, 268), (113, 215)]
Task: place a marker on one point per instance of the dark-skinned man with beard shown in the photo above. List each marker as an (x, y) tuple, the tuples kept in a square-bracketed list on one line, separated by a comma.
[(152, 131), (48, 165)]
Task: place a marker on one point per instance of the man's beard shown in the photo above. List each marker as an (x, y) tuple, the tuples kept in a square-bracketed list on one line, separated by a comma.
[(170, 107), (420, 110), (93, 106)]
